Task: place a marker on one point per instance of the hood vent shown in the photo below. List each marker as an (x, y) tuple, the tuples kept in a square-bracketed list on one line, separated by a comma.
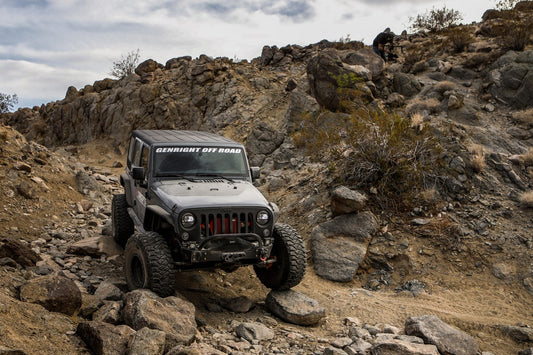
[(212, 181)]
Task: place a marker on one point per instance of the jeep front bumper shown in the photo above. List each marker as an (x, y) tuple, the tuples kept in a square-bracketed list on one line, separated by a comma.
[(228, 249)]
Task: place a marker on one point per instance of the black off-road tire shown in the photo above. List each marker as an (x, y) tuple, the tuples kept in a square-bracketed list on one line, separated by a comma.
[(289, 268), (148, 264), (122, 224)]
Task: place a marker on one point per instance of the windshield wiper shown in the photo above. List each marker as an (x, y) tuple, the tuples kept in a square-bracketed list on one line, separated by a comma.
[(177, 176)]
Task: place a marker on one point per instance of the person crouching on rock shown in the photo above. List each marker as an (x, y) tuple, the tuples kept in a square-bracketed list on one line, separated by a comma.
[(380, 41)]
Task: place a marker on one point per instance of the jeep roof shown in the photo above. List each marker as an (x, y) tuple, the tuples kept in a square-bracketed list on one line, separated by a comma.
[(152, 137)]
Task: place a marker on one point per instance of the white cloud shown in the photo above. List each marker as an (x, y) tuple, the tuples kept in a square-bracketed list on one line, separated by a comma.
[(48, 45), (40, 83)]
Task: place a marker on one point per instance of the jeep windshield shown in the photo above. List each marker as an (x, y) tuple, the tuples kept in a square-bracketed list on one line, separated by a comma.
[(226, 162)]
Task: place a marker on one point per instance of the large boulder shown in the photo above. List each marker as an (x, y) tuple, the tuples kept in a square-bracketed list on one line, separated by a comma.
[(267, 54), (339, 246), (406, 84), (522, 334), (53, 292), (95, 246), (327, 73), (295, 307), (395, 346), (147, 341), (148, 66), (173, 315), (345, 200), (512, 82), (22, 254), (263, 140), (365, 57), (448, 340), (253, 331), (104, 338), (109, 312)]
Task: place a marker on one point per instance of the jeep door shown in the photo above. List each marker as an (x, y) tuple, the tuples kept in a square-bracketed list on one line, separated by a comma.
[(139, 157)]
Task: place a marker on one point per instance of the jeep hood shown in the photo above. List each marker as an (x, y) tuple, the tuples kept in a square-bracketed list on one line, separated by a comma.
[(189, 194)]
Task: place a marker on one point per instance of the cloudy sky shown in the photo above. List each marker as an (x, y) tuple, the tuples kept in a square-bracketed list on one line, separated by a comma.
[(48, 45)]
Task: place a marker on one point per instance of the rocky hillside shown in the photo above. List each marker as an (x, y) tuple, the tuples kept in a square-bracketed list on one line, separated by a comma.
[(442, 268)]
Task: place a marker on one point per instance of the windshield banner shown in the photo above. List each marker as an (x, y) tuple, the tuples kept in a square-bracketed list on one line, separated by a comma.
[(198, 150)]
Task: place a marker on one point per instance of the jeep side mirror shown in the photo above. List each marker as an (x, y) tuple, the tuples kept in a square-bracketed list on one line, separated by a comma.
[(138, 173), (256, 172)]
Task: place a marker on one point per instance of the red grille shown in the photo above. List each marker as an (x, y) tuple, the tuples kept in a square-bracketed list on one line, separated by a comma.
[(226, 223)]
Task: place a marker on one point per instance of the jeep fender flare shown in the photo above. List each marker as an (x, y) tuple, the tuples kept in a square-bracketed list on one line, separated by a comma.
[(125, 182), (156, 211)]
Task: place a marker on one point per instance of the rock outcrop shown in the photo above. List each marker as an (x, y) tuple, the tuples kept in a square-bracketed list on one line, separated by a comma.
[(172, 315), (55, 293), (339, 246), (295, 307), (512, 79), (447, 339)]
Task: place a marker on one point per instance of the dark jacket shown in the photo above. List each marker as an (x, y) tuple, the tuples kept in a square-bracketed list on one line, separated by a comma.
[(383, 38)]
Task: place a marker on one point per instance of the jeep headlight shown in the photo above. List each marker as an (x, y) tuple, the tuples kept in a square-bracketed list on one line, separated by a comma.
[(262, 217), (187, 220)]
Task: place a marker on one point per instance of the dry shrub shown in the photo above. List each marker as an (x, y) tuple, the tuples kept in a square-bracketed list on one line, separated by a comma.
[(479, 60), (318, 134), (524, 117), (419, 105), (7, 102), (413, 54), (419, 67), (527, 157), (435, 20), (506, 4), (126, 65), (429, 196), (346, 43), (459, 39), (416, 119), (526, 199), (389, 155), (445, 232), (443, 86), (478, 157), (515, 35)]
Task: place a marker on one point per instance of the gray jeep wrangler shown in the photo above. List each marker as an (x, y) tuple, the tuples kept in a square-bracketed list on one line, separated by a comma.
[(188, 204)]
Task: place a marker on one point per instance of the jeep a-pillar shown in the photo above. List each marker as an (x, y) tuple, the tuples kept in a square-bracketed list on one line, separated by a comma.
[(188, 204)]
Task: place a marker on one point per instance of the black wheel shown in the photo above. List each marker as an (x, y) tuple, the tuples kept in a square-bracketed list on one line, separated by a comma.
[(148, 264), (121, 222), (289, 252)]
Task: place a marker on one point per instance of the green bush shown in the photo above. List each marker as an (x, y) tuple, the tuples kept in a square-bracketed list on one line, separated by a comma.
[(436, 20), (373, 149)]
